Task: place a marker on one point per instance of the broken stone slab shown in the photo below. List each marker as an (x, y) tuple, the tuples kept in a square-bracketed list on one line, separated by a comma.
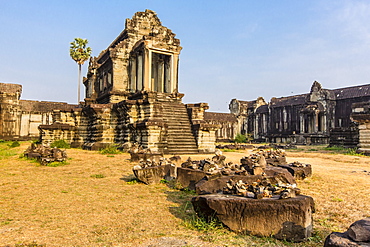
[(45, 154), (358, 234), (154, 174), (278, 175), (212, 186), (276, 161), (145, 156), (360, 230), (32, 155), (289, 219), (337, 239), (298, 172), (187, 178)]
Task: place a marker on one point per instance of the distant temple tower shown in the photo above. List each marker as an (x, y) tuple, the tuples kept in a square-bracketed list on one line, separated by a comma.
[(144, 57)]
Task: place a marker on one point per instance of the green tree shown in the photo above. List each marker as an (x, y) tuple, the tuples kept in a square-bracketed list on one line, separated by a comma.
[(79, 52), (239, 138)]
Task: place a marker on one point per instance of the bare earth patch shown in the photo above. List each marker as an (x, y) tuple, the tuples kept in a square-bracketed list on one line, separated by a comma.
[(94, 201)]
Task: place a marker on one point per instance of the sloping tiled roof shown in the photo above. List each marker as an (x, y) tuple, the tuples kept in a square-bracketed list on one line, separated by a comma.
[(291, 100), (248, 104), (45, 106), (262, 109), (352, 92), (216, 116)]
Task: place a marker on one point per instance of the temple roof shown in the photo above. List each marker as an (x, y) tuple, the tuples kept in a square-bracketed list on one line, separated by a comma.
[(45, 106), (291, 100), (352, 92), (216, 116)]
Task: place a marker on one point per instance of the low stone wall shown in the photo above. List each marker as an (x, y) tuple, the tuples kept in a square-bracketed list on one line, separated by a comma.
[(56, 131)]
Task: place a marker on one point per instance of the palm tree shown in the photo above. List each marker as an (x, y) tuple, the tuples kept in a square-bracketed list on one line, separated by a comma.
[(80, 53)]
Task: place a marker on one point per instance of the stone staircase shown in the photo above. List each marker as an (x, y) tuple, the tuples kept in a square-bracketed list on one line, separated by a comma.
[(180, 138)]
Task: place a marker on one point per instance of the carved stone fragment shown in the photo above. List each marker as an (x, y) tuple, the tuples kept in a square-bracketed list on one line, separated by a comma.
[(289, 219)]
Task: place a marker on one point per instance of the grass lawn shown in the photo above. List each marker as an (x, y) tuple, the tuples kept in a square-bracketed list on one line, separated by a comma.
[(94, 200)]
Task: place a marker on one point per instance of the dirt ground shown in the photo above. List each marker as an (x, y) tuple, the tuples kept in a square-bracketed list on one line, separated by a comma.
[(95, 201)]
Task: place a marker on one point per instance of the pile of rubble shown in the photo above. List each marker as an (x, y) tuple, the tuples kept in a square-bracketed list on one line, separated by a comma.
[(235, 146), (151, 171), (260, 189), (44, 154), (274, 157), (138, 153), (191, 171), (233, 192)]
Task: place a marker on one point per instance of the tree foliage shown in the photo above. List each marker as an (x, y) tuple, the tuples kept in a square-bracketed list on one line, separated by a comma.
[(79, 51), (239, 138)]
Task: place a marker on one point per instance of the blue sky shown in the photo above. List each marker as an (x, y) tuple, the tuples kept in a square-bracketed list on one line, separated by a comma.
[(231, 49)]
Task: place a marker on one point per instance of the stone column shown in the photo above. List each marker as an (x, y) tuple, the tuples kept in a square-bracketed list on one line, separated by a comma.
[(301, 123), (361, 115), (174, 72), (147, 70), (316, 117)]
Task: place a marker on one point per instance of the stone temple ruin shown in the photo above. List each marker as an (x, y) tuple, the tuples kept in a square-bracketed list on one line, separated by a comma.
[(322, 116), (132, 97)]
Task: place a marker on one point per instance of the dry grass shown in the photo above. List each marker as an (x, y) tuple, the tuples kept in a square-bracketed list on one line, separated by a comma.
[(94, 201)]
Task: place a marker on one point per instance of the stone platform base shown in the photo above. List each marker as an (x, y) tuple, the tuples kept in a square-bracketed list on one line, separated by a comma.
[(289, 219)]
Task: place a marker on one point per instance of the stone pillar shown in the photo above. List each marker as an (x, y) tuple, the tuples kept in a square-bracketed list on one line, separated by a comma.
[(316, 117), (148, 70), (256, 132), (301, 123), (361, 115), (174, 73), (204, 133), (10, 111)]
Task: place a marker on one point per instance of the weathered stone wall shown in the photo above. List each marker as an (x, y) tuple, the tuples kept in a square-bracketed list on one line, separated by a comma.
[(311, 118), (10, 111), (361, 115), (228, 125), (204, 131)]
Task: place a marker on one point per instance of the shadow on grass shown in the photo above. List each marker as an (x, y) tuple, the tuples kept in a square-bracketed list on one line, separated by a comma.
[(184, 210), (129, 178)]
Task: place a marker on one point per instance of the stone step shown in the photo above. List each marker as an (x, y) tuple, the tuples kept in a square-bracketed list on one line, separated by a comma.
[(183, 152), (180, 136)]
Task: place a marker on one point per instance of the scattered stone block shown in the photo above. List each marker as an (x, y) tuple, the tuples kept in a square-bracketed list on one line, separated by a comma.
[(175, 160), (187, 177), (276, 161), (154, 174), (358, 234), (278, 175), (146, 156), (44, 154), (212, 186), (299, 171), (360, 231), (289, 219)]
